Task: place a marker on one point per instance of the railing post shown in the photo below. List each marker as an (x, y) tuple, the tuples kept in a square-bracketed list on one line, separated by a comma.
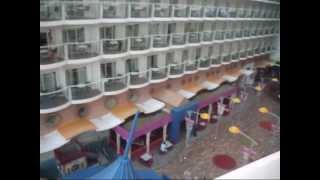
[(100, 7), (66, 53), (152, 10), (101, 47), (63, 10), (129, 10)]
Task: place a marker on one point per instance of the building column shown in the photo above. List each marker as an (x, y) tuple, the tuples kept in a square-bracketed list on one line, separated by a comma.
[(148, 142), (118, 143)]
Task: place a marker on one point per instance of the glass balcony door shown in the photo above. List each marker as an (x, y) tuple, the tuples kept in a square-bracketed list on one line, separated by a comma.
[(48, 82), (77, 76), (132, 65), (108, 70), (152, 62)]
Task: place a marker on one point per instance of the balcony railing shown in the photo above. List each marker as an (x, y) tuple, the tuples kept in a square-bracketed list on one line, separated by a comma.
[(115, 83), (51, 54), (207, 36), (139, 78), (233, 12), (140, 10), (178, 39), (162, 10), (228, 34), (180, 10), (219, 35), (85, 91), (175, 69), (139, 43), (114, 46), (158, 73), (114, 10), (83, 50), (210, 11), (194, 37), (216, 60), (160, 41), (204, 62), (226, 58), (223, 12), (235, 56), (50, 11), (196, 11), (243, 54), (54, 98), (82, 10), (191, 65)]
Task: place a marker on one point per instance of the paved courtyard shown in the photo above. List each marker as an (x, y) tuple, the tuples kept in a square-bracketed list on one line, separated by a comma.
[(195, 161)]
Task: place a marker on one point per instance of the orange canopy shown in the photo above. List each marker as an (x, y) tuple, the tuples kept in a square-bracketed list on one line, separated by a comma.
[(75, 127), (192, 87), (217, 80), (124, 110), (169, 97)]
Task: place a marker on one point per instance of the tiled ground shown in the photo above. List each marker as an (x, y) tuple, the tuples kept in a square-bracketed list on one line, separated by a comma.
[(196, 160)]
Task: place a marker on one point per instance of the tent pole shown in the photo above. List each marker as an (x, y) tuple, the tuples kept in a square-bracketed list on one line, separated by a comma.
[(148, 142), (118, 143), (165, 132)]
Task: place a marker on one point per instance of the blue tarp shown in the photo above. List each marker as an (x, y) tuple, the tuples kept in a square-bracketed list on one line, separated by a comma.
[(84, 174), (178, 114)]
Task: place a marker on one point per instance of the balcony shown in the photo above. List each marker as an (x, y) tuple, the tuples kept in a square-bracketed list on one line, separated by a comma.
[(250, 52), (114, 10), (238, 33), (196, 11), (226, 59), (83, 50), (257, 51), (138, 79), (210, 12), (219, 35), (158, 74), (175, 70), (246, 33), (223, 12), (114, 84), (140, 10), (50, 11), (241, 13), (194, 37), (53, 99), (228, 34), (204, 63), (114, 46), (162, 10), (82, 10), (180, 11), (232, 12), (139, 43), (243, 54), (235, 56), (160, 41), (84, 91), (207, 36), (191, 66), (51, 54), (215, 61), (178, 39)]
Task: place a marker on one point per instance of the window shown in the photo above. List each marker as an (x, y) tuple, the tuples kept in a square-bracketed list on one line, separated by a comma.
[(132, 65), (108, 70), (152, 61), (48, 82), (77, 76), (172, 28), (107, 32), (73, 35), (169, 58)]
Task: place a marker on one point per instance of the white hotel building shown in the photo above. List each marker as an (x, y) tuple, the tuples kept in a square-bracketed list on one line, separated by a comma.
[(104, 59)]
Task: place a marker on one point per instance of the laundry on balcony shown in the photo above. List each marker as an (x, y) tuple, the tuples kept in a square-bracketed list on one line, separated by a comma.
[(106, 122), (76, 127), (150, 105), (52, 141)]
